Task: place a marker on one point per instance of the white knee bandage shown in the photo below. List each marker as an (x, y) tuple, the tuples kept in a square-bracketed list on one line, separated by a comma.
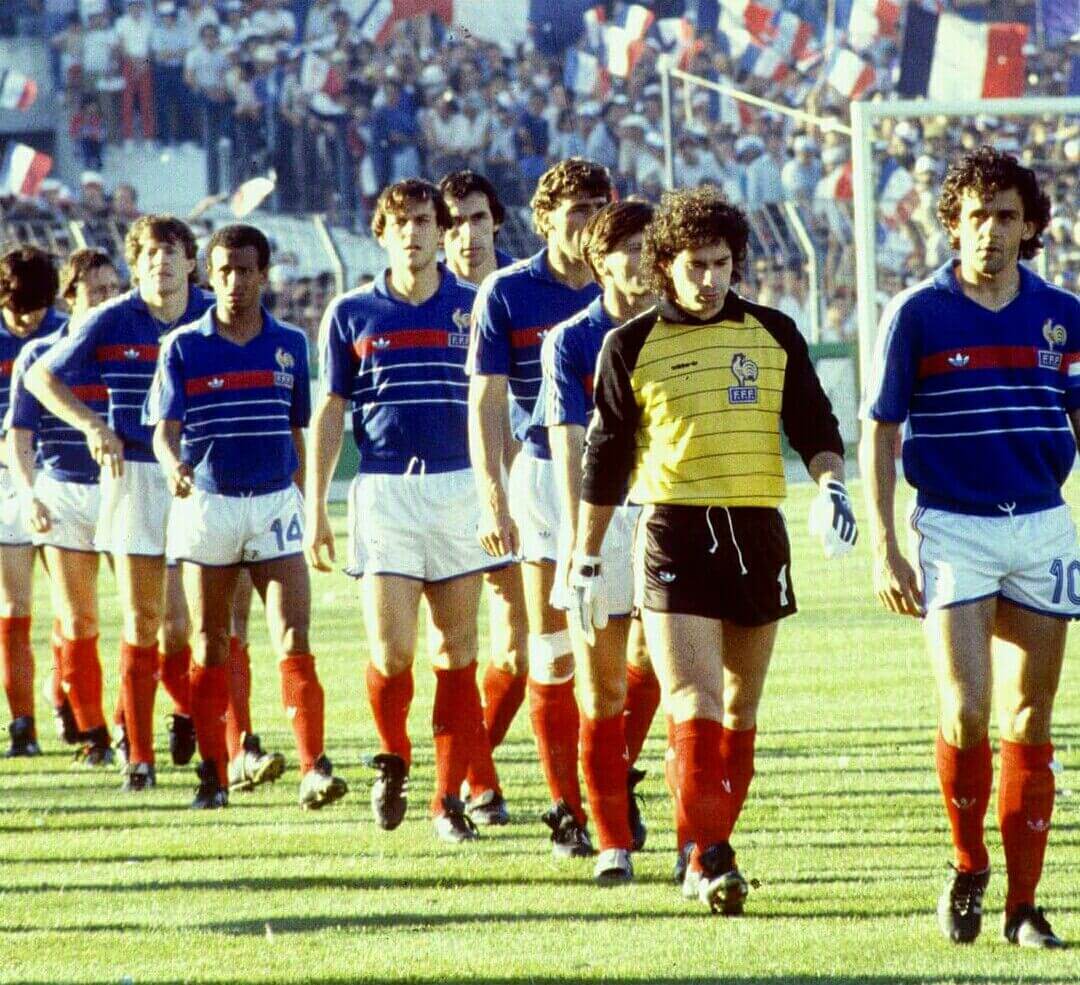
[(544, 650)]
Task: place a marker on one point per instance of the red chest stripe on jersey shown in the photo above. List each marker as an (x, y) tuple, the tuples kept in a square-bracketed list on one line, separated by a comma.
[(587, 382), (980, 357), (1069, 358), (6, 367), (522, 338), (252, 379), (90, 391), (126, 353), (412, 338)]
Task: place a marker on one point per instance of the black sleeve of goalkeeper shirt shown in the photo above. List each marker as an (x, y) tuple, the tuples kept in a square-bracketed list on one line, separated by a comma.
[(611, 439), (805, 412)]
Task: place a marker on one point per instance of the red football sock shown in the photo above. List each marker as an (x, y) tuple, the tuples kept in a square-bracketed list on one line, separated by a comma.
[(56, 688), (81, 670), (642, 700), (238, 717), (302, 695), (481, 775), (703, 787), (671, 776), (17, 662), (390, 699), (603, 761), (1025, 805), (456, 720), (175, 670), (138, 685), (554, 715), (737, 752), (503, 694), (966, 776), (209, 699)]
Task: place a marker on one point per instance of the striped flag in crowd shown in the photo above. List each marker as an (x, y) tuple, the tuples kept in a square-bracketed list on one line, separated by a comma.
[(23, 170), (17, 91)]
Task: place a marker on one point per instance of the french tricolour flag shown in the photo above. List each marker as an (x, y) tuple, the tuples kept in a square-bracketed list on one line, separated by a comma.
[(862, 22), (23, 170), (753, 16), (849, 75), (897, 195), (763, 63), (790, 36), (946, 56), (676, 38), (624, 42), (837, 185), (584, 75), (17, 91)]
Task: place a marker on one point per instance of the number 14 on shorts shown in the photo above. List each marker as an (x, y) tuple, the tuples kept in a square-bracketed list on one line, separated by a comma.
[(293, 533)]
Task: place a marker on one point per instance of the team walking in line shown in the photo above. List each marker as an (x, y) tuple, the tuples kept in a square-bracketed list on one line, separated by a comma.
[(593, 437)]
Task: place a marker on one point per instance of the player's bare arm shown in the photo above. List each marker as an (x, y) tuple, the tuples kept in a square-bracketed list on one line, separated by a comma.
[(167, 449), (327, 430), (488, 423), (19, 453), (895, 581), (104, 443), (1074, 421), (592, 524), (567, 447), (301, 451)]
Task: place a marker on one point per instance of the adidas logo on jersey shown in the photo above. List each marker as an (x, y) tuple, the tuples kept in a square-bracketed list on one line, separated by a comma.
[(216, 383), (381, 343), (959, 360), (131, 353)]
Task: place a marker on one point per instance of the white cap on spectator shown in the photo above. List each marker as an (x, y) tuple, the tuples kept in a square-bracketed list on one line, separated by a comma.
[(433, 76), (590, 108), (504, 100), (634, 121), (906, 131), (654, 140), (804, 143), (697, 130), (652, 89), (834, 155), (925, 165), (748, 143), (91, 178), (166, 8)]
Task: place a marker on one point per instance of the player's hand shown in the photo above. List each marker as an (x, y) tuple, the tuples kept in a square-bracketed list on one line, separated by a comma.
[(38, 516), (181, 480), (832, 520), (106, 448), (896, 584), (588, 609), (497, 532), (319, 540)]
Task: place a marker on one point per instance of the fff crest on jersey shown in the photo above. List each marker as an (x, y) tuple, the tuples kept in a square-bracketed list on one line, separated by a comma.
[(745, 371), (1055, 335), (459, 339)]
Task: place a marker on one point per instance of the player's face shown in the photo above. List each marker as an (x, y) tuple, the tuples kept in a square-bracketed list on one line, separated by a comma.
[(236, 280), (162, 267), (470, 241), (23, 322), (621, 269), (990, 229), (567, 220), (411, 240), (96, 288), (700, 279)]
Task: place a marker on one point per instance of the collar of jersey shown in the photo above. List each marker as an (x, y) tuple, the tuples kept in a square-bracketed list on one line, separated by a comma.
[(207, 323), (598, 315), (382, 286), (946, 278), (141, 305), (732, 310), (53, 321)]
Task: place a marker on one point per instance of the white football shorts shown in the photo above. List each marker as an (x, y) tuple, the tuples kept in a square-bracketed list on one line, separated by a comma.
[(535, 507), (14, 525), (134, 511), (73, 510), (616, 564), (1032, 559), (220, 531), (416, 526)]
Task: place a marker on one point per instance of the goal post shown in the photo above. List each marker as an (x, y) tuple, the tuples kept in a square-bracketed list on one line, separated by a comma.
[(864, 117)]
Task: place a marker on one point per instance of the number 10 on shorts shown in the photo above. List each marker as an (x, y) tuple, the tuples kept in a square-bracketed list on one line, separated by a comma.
[(1066, 579)]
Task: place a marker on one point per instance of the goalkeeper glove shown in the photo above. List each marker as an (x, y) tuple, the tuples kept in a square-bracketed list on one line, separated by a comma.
[(832, 520), (588, 608)]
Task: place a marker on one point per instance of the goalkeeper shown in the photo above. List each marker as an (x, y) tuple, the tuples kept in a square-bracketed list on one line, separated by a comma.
[(690, 400)]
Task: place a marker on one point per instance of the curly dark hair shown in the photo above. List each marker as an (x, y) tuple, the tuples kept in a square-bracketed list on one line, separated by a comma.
[(78, 266), (395, 199), (688, 219), (237, 236), (987, 172), (159, 229), (461, 184), (574, 177), (607, 228), (28, 279)]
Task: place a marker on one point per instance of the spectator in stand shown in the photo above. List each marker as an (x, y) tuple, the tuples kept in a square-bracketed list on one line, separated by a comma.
[(533, 121), (694, 163), (275, 22), (532, 163), (631, 150), (92, 198), (318, 23), (763, 173), (802, 173), (67, 46), (794, 300), (170, 41), (133, 33), (603, 143), (500, 161), (444, 136), (87, 129), (649, 173), (477, 129), (125, 203), (394, 135), (237, 27), (566, 141), (205, 70), (197, 13), (101, 67)]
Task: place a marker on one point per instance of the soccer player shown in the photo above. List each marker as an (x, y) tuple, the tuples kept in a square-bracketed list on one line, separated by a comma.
[(691, 397), (976, 365), (28, 286), (610, 739), (514, 308), (62, 509), (469, 244), (116, 346), (395, 351), (229, 402)]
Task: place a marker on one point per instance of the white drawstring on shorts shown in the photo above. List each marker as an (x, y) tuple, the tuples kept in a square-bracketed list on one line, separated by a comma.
[(415, 460), (734, 540)]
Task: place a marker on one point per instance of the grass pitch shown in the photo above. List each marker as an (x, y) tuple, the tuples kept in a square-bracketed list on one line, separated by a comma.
[(843, 829)]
